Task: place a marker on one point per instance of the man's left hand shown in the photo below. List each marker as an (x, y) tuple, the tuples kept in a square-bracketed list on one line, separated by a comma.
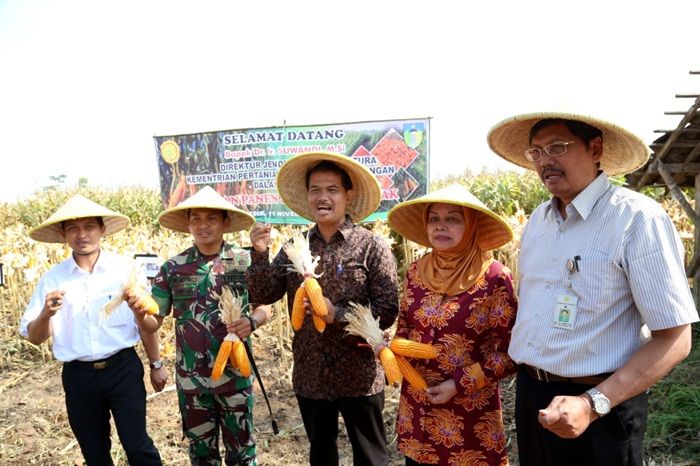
[(158, 378), (567, 416)]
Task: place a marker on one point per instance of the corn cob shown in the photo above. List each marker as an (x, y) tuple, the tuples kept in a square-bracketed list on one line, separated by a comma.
[(230, 307), (413, 349), (298, 310), (410, 373), (319, 323), (221, 358), (131, 287), (391, 366)]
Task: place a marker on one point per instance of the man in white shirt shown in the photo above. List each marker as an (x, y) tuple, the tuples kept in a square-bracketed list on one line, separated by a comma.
[(102, 372), (604, 303)]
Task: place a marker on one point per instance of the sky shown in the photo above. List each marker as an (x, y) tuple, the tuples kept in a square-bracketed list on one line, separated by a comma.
[(86, 84)]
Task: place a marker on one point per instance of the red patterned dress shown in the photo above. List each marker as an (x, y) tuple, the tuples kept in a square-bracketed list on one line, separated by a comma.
[(472, 331)]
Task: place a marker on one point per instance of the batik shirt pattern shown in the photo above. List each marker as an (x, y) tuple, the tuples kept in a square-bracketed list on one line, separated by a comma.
[(355, 266), (189, 283), (472, 332)]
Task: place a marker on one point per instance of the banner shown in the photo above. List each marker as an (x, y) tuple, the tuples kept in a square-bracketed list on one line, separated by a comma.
[(242, 164)]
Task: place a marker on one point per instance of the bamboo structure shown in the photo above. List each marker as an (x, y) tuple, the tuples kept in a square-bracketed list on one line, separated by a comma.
[(674, 164)]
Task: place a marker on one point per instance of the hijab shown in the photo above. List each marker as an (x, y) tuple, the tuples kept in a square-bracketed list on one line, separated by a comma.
[(455, 270)]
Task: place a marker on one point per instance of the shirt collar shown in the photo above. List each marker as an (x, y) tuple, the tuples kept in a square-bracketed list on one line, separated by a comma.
[(344, 229), (100, 265), (584, 202)]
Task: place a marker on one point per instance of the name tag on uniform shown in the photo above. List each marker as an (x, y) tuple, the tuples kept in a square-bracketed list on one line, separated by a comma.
[(565, 311)]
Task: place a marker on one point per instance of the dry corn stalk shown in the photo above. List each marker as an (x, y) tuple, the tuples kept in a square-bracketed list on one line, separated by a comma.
[(362, 323), (133, 287), (303, 262), (232, 347)]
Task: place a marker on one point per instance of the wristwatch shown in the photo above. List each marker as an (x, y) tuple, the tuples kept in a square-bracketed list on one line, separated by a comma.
[(156, 364), (253, 322), (601, 403)]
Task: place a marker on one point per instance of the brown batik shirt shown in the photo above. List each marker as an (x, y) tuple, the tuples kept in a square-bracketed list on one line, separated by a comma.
[(356, 266)]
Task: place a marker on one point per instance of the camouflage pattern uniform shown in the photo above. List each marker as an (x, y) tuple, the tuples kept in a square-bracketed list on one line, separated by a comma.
[(186, 283)]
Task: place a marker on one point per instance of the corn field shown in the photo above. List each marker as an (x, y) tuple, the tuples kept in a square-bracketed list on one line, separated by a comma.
[(512, 195)]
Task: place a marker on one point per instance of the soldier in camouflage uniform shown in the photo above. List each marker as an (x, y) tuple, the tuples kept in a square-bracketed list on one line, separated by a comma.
[(189, 283)]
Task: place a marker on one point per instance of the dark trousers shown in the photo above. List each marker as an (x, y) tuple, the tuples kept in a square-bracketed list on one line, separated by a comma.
[(363, 422), (613, 440), (117, 388)]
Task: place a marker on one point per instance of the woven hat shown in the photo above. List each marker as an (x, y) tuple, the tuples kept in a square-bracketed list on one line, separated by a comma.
[(407, 218), (623, 152), (176, 218), (291, 184), (75, 208)]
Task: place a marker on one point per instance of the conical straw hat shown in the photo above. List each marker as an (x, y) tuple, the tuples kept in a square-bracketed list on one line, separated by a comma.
[(176, 218), (291, 184), (623, 152), (51, 231), (408, 218)]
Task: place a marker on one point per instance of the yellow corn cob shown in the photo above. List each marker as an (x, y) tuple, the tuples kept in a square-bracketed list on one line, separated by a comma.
[(315, 295), (221, 358), (410, 373), (413, 349), (391, 367), (298, 310), (319, 323), (150, 304), (241, 358), (232, 359)]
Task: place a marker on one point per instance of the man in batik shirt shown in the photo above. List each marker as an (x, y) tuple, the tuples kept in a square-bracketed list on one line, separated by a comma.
[(333, 373)]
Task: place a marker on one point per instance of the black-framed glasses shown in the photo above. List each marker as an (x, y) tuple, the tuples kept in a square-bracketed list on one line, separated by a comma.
[(555, 149)]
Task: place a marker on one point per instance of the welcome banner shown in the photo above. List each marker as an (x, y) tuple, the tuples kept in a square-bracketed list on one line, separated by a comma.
[(242, 164)]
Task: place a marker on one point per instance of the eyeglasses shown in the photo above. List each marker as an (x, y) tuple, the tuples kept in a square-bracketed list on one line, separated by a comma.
[(555, 149)]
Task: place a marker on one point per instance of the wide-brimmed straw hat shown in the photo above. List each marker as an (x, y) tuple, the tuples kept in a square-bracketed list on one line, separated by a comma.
[(623, 152), (78, 206), (408, 218), (291, 184), (176, 218)]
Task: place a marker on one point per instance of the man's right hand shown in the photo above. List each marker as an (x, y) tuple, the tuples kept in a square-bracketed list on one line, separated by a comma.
[(260, 236), (53, 303)]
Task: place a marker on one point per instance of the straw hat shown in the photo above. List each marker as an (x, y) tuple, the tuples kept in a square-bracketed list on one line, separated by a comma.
[(291, 184), (623, 152), (176, 218), (407, 218), (77, 207)]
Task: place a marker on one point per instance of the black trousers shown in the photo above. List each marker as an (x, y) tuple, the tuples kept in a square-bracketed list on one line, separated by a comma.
[(363, 422), (613, 440), (93, 392)]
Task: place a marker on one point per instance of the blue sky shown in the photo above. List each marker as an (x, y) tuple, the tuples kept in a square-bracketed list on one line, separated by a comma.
[(86, 84)]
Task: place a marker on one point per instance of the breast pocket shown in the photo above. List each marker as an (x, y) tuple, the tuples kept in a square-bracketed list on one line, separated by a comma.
[(121, 316), (598, 283)]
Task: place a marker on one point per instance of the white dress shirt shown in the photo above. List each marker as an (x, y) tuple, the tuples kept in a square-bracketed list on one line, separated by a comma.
[(626, 261), (78, 332)]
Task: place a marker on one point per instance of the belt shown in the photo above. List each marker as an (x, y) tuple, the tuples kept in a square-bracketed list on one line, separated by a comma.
[(544, 376), (102, 363)]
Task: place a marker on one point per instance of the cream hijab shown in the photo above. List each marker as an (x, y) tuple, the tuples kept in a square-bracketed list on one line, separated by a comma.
[(456, 270)]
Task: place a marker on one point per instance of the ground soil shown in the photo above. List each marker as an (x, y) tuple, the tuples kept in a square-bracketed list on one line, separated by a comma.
[(34, 428)]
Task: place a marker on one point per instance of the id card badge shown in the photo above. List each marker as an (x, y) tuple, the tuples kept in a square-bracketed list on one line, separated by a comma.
[(565, 311)]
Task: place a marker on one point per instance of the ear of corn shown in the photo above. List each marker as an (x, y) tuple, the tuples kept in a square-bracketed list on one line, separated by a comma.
[(391, 366), (319, 323), (313, 291), (221, 359), (241, 358), (410, 373), (231, 359), (298, 311), (150, 304), (413, 349)]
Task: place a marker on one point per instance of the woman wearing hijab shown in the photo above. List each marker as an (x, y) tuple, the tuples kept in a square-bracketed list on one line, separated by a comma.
[(460, 300)]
